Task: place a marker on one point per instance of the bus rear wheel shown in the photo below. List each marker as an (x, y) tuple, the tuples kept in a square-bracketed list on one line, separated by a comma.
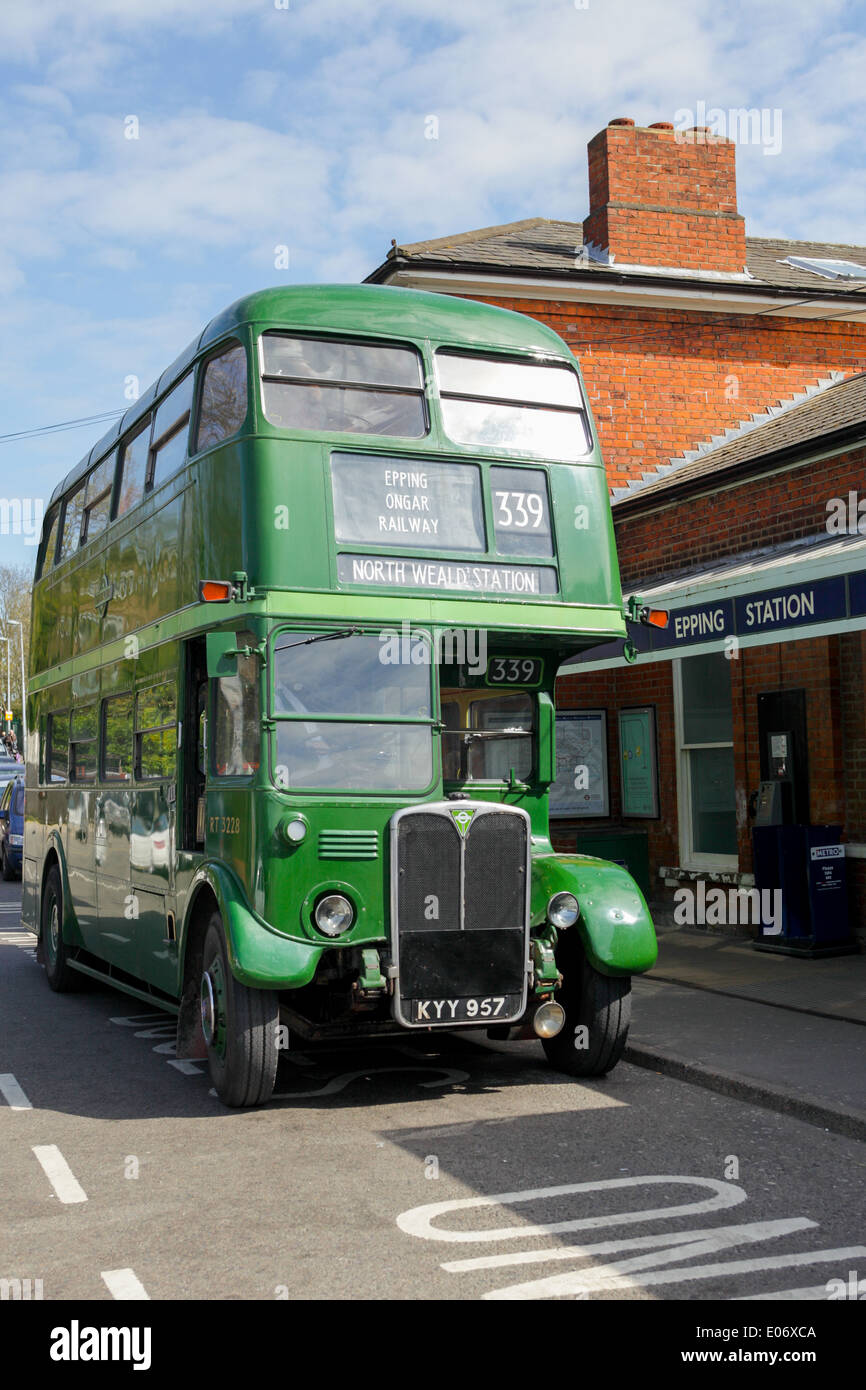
[(239, 1025), (58, 972), (597, 1017)]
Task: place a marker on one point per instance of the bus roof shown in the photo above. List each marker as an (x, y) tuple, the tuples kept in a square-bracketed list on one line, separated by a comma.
[(380, 310)]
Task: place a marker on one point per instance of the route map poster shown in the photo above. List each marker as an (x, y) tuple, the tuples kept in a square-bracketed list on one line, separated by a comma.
[(581, 786)]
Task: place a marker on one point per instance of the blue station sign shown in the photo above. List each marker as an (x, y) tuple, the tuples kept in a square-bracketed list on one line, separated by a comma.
[(789, 606)]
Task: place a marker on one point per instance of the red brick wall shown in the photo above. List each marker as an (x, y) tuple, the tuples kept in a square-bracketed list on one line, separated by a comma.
[(662, 381), (764, 512)]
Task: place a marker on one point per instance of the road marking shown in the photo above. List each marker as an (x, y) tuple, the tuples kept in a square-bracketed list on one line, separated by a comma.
[(670, 1245), (187, 1068), (417, 1222), (622, 1275), (615, 1277), (339, 1083), (14, 1096), (813, 1294), (124, 1284), (59, 1173)]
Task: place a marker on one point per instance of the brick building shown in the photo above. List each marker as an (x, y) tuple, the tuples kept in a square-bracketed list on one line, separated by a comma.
[(725, 375)]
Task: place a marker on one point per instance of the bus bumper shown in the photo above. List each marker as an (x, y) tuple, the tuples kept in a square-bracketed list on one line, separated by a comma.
[(615, 926)]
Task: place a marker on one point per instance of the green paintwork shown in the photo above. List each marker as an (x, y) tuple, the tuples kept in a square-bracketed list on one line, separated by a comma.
[(118, 615), (614, 924), (258, 954)]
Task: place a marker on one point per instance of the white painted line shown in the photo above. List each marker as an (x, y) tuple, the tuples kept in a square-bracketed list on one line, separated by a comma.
[(59, 1173), (12, 1092), (617, 1276), (671, 1245), (124, 1284), (419, 1221), (816, 1292), (188, 1068)]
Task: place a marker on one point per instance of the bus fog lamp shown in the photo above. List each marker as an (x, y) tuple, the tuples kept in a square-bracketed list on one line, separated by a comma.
[(563, 910), (334, 914), (549, 1019)]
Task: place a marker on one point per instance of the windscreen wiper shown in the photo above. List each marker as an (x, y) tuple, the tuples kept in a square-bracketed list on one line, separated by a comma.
[(322, 637)]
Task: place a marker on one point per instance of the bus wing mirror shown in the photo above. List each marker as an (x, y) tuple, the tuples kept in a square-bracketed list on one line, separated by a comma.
[(222, 653)]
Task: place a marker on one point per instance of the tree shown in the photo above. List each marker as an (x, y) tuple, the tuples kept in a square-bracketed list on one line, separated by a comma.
[(16, 588)]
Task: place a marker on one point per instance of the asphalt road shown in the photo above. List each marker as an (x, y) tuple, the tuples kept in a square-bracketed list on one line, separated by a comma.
[(126, 1178)]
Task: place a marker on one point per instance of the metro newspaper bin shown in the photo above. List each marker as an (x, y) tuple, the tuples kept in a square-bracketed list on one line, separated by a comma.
[(806, 864)]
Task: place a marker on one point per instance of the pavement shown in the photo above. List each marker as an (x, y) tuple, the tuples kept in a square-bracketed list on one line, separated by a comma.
[(780, 1031)]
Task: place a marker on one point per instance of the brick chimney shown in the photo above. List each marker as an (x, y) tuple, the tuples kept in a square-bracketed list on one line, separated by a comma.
[(662, 197)]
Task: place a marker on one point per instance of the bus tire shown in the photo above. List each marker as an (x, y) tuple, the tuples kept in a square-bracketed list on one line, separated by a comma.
[(597, 1017), (240, 1027), (58, 972)]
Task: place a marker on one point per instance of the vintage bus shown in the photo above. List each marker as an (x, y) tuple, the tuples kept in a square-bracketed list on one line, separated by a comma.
[(297, 619)]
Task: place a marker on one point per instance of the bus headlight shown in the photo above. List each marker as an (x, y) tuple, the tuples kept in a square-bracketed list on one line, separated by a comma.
[(295, 830), (563, 910), (334, 914)]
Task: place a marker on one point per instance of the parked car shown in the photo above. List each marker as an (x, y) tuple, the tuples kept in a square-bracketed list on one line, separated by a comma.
[(12, 828)]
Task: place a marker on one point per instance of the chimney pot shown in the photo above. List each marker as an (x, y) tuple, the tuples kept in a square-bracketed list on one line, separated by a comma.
[(621, 120), (662, 125)]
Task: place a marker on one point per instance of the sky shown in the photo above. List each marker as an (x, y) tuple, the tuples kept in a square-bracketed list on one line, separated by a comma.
[(155, 155)]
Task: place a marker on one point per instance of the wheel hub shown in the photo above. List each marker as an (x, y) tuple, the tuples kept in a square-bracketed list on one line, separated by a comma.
[(212, 1000), (54, 929)]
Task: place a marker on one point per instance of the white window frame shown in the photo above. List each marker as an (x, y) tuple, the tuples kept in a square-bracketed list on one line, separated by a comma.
[(689, 857)]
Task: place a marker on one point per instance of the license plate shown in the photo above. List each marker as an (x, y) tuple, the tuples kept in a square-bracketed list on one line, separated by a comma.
[(488, 1008)]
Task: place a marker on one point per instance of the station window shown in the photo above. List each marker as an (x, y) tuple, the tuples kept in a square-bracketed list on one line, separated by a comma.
[(57, 756), (155, 733), (82, 745), (171, 432), (705, 751), (355, 388), (133, 471), (223, 397), (116, 763)]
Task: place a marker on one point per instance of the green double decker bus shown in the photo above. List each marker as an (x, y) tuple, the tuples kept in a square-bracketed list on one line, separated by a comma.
[(296, 625)]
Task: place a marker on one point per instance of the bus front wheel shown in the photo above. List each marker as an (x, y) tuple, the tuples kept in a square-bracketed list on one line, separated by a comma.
[(58, 972), (239, 1025), (597, 1016)]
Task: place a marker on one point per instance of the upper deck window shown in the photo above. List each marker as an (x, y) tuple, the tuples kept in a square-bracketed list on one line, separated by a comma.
[(72, 515), (351, 388), (133, 470), (47, 561), (97, 497), (534, 407), (223, 396), (170, 432)]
